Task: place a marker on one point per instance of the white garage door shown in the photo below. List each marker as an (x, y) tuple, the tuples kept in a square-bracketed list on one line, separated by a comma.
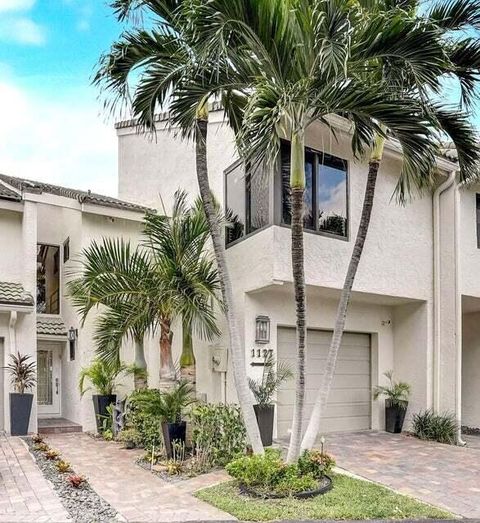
[(349, 404)]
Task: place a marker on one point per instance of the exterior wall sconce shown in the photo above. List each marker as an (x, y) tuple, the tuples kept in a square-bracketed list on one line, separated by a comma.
[(262, 329), (72, 337)]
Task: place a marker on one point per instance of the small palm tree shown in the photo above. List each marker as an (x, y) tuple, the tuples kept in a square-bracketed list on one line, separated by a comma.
[(102, 377), (397, 392), (143, 289), (272, 377)]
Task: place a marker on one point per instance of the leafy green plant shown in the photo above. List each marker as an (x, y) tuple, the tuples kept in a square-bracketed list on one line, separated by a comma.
[(273, 376), (315, 462), (436, 427), (102, 377), (148, 426), (269, 474), (23, 373), (397, 392), (129, 437), (168, 406), (218, 433)]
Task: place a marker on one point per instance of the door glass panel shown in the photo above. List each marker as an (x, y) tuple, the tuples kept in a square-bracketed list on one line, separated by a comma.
[(44, 377)]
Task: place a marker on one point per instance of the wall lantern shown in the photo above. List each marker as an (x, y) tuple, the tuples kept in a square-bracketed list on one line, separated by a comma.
[(72, 336), (262, 329)]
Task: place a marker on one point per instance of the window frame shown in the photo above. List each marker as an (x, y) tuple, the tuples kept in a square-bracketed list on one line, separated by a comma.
[(60, 280), (66, 250), (477, 217), (316, 154)]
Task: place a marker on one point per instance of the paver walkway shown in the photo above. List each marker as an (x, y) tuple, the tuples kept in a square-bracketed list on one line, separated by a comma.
[(443, 475), (135, 493), (25, 495)]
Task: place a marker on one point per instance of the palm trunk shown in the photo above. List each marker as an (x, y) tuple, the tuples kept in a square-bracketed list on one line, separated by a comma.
[(236, 350), (167, 369), (187, 359), (297, 183), (324, 391), (140, 373)]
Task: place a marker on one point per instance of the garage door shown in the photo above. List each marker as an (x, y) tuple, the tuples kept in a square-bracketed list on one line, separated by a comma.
[(349, 404)]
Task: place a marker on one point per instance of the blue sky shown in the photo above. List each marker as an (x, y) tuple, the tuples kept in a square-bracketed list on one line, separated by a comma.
[(51, 125)]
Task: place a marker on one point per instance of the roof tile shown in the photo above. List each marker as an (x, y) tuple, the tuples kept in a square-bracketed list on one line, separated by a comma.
[(14, 294), (51, 326)]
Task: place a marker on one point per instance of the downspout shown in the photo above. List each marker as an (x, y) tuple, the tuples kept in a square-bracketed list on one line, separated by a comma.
[(458, 321), (436, 288)]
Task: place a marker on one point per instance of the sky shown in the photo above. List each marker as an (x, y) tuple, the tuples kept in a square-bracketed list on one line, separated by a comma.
[(52, 127)]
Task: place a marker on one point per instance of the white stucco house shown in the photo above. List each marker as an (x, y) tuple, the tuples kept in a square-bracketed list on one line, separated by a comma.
[(416, 301)]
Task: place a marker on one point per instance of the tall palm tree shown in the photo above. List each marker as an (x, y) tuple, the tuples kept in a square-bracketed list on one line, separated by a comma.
[(311, 59), (145, 288), (171, 76), (461, 60)]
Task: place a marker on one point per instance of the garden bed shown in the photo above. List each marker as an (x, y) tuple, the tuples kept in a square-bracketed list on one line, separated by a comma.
[(350, 498), (82, 503)]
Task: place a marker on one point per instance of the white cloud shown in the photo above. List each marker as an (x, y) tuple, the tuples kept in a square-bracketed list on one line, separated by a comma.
[(65, 142), (22, 30), (16, 5)]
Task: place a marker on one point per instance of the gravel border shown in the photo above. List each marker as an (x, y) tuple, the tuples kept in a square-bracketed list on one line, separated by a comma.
[(83, 504)]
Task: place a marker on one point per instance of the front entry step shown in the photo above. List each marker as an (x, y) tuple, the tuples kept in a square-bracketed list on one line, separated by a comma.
[(57, 426)]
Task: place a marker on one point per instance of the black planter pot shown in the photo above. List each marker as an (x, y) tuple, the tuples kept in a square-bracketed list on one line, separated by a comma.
[(100, 404), (395, 416), (265, 417), (20, 409), (173, 433)]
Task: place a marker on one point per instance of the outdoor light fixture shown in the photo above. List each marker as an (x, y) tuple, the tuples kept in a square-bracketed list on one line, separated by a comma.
[(262, 329), (72, 336)]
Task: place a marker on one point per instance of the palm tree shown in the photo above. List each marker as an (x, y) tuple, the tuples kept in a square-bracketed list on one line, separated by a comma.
[(312, 59), (171, 76), (461, 60), (147, 287)]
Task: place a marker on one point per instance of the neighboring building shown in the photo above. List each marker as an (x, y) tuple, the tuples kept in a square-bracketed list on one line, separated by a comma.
[(416, 301), (43, 229)]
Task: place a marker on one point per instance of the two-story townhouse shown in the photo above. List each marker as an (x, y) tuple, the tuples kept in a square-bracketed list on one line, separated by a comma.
[(416, 301), (43, 229)]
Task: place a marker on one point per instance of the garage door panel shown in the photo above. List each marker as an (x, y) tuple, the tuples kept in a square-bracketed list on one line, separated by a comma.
[(349, 404), (284, 397)]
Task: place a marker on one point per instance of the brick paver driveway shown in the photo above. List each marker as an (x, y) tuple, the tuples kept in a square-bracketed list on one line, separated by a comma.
[(135, 493), (25, 495), (443, 475)]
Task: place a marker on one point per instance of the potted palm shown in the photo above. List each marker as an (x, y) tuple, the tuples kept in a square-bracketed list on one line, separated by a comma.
[(263, 390), (23, 375), (169, 407), (102, 376), (396, 402)]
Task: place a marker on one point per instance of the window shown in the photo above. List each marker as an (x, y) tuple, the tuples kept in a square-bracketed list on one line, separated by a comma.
[(66, 250), (48, 279), (246, 201), (326, 204), (478, 220)]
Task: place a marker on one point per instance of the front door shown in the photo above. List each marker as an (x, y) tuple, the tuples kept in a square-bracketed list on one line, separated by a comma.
[(48, 380)]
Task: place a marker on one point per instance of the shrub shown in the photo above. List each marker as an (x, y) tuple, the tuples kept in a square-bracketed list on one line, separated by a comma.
[(218, 433), (52, 454), (76, 481), (63, 466), (147, 426), (268, 474), (315, 462), (436, 427), (130, 437)]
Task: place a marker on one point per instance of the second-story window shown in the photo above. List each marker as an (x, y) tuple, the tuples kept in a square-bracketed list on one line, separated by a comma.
[(48, 279), (326, 201), (478, 220)]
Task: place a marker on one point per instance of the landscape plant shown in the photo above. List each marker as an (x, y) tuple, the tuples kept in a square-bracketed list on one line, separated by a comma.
[(23, 377), (145, 424), (130, 438), (435, 427), (63, 466), (218, 433)]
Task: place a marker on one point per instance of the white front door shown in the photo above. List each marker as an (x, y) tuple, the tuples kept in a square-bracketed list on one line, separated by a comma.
[(49, 370)]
